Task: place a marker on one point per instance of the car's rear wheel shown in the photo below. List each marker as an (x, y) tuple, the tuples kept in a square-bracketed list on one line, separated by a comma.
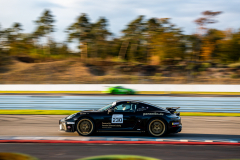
[(85, 127), (157, 127)]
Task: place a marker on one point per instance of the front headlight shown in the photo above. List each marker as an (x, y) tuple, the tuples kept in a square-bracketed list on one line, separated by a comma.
[(71, 116)]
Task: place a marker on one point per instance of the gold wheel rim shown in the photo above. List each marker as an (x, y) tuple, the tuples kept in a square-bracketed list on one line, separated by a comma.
[(85, 126), (157, 127)]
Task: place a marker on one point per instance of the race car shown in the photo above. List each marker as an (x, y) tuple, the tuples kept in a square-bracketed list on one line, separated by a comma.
[(124, 116), (119, 90)]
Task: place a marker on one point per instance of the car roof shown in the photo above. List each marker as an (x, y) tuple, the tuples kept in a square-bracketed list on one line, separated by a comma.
[(137, 101), (134, 101), (118, 87)]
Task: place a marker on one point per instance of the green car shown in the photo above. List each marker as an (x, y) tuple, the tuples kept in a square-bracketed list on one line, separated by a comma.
[(119, 90)]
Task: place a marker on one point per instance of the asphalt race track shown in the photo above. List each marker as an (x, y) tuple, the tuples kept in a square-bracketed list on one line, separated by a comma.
[(194, 128), (163, 152)]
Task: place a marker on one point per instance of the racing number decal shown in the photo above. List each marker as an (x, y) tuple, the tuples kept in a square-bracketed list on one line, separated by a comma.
[(117, 118)]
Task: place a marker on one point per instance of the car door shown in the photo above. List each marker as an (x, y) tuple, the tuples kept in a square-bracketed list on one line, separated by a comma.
[(121, 90), (121, 119)]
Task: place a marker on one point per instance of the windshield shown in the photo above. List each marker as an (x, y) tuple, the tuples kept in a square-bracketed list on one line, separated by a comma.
[(120, 87), (105, 107)]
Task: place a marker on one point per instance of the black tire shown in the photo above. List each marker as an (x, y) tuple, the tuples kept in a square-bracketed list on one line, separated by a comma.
[(85, 127), (157, 128)]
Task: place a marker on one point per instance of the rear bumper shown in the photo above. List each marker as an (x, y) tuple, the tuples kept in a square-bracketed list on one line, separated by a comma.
[(175, 129)]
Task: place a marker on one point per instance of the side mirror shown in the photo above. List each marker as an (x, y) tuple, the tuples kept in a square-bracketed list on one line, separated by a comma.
[(110, 111)]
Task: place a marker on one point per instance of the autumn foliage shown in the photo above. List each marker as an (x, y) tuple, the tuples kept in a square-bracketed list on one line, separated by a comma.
[(149, 41)]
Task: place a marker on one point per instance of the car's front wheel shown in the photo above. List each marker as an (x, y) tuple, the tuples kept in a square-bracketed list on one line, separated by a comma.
[(85, 127), (157, 127), (113, 92)]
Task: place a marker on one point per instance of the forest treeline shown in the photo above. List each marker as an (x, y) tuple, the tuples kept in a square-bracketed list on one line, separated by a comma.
[(150, 41)]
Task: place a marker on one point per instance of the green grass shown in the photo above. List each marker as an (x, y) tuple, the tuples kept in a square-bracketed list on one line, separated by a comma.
[(68, 112), (118, 157), (15, 156), (100, 92)]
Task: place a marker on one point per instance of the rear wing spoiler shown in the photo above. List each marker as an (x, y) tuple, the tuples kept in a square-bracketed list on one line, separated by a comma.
[(172, 109)]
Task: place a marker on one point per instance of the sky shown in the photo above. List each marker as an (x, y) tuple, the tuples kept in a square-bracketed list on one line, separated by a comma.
[(118, 12)]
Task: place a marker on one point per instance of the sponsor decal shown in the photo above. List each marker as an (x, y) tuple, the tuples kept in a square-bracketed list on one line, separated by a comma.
[(70, 122), (153, 114), (110, 125), (117, 118), (69, 127)]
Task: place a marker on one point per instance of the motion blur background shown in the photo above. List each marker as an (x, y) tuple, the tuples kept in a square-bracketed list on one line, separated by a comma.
[(120, 42), (176, 42)]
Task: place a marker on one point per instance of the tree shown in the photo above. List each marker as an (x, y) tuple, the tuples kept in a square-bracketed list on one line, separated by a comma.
[(229, 47), (210, 43), (81, 31), (60, 49), (165, 40), (193, 42), (15, 39), (2, 45), (45, 27), (1, 39), (208, 18), (100, 34), (11, 39), (10, 42), (133, 33), (152, 28)]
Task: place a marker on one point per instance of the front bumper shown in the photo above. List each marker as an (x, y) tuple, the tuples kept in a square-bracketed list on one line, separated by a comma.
[(67, 126)]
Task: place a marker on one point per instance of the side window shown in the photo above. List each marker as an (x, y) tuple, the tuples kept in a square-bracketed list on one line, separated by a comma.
[(125, 107), (144, 107)]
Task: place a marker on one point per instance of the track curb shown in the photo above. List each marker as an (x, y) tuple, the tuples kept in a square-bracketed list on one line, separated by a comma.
[(121, 142)]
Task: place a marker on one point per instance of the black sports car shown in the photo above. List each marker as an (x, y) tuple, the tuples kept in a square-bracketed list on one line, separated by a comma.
[(124, 116)]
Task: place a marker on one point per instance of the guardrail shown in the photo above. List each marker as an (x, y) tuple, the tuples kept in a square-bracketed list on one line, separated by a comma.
[(187, 104), (137, 87)]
